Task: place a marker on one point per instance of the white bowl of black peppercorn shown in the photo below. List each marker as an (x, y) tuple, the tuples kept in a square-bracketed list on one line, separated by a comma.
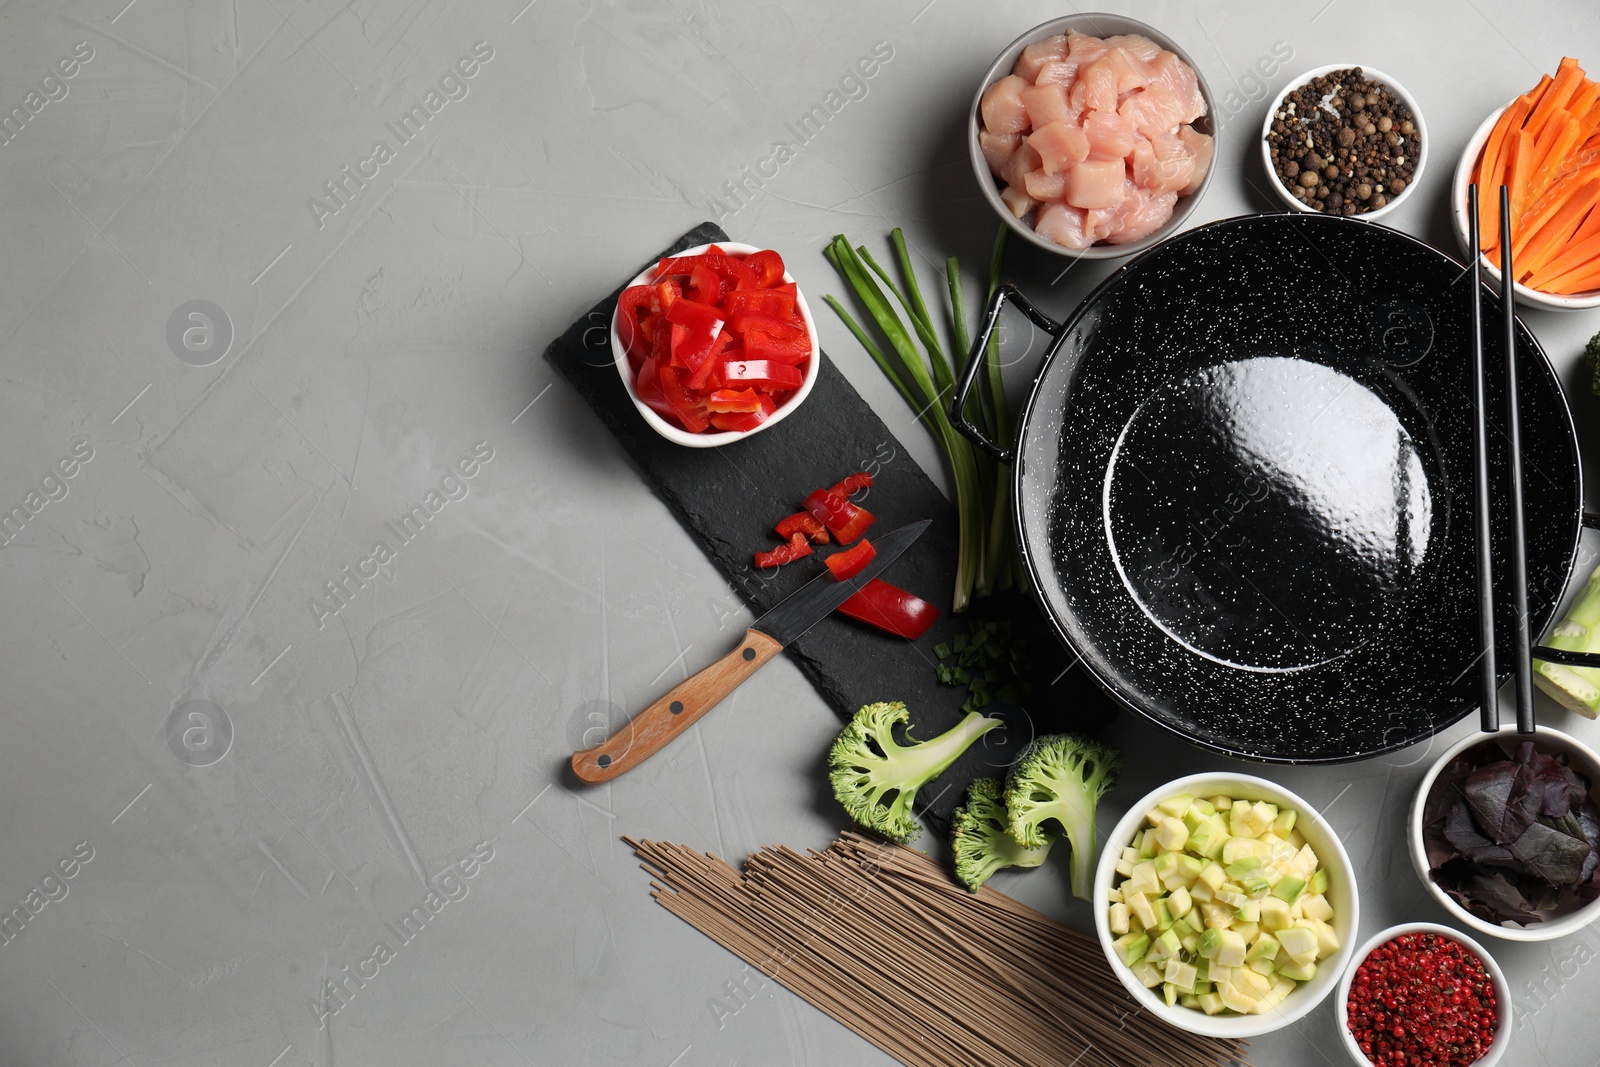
[(1393, 128)]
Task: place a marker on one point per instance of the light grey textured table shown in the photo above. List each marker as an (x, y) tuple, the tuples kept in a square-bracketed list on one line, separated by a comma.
[(370, 333)]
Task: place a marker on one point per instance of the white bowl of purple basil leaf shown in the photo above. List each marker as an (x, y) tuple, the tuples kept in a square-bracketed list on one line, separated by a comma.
[(1505, 833)]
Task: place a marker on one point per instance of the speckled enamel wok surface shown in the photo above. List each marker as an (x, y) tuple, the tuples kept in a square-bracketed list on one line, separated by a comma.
[(1243, 485)]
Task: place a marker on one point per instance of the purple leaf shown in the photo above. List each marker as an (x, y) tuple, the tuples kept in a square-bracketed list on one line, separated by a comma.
[(1551, 855), (1489, 790)]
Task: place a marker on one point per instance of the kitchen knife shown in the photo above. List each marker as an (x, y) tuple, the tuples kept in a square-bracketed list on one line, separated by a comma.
[(650, 730)]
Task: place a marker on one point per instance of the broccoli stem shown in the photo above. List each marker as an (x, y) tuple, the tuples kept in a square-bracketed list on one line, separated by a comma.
[(927, 760), (1575, 688)]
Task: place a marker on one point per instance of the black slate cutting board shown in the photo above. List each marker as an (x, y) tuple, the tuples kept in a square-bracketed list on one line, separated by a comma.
[(728, 498)]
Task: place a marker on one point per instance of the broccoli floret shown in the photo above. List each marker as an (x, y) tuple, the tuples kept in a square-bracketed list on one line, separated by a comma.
[(1061, 777), (876, 778), (979, 838), (1591, 352)]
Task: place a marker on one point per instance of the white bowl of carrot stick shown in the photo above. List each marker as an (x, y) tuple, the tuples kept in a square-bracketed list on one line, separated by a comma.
[(1545, 144)]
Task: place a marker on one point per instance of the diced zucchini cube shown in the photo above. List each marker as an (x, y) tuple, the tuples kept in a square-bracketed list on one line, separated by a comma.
[(1284, 822), (1232, 896), (1114, 896), (1180, 974), (1203, 806), (1169, 993), (1255, 886), (1263, 967), (1316, 907), (1143, 879), (1145, 844), (1222, 803), (1180, 902), (1289, 888), (1217, 914), (1209, 838), (1141, 907), (1238, 821), (1154, 816), (1297, 969), (1190, 867), (1189, 1000), (1240, 868), (1171, 834), (1327, 940), (1131, 948), (1211, 1003), (1249, 911), (1129, 854), (1118, 919), (1319, 881), (1210, 942), (1124, 868), (1246, 930), (1164, 916), (1259, 817), (1230, 953), (1298, 941), (1213, 875), (1252, 984), (1164, 947), (1237, 848), (1264, 947), (1295, 838), (1274, 913), (1148, 974), (1176, 806)]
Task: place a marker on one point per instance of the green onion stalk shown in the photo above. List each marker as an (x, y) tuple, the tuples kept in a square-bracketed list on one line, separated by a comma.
[(986, 562)]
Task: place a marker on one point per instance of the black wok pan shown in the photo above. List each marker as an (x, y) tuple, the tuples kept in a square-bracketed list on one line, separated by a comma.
[(1243, 485)]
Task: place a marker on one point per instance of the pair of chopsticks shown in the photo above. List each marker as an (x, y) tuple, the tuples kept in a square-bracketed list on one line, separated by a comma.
[(1488, 680)]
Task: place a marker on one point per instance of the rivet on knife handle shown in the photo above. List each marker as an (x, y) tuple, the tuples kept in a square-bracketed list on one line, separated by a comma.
[(650, 730)]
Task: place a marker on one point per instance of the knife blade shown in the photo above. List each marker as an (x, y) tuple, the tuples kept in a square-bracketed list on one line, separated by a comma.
[(649, 731)]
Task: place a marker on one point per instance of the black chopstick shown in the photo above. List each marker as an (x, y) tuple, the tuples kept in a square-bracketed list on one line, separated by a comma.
[(1488, 683), (1519, 537)]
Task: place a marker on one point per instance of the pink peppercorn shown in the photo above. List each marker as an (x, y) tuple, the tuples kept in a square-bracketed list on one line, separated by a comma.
[(1420, 999)]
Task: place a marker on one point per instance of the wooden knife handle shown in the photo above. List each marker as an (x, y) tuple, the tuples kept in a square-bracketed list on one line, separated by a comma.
[(650, 730)]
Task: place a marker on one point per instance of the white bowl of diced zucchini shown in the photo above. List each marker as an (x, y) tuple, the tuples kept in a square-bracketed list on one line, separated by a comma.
[(1226, 904)]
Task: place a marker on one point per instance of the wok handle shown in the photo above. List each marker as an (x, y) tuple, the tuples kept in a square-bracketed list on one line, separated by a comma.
[(975, 358), (1571, 659)]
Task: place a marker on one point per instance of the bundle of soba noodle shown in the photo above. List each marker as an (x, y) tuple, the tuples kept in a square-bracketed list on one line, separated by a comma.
[(879, 937)]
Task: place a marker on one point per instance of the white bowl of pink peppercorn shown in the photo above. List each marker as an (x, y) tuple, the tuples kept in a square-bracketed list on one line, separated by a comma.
[(1440, 999)]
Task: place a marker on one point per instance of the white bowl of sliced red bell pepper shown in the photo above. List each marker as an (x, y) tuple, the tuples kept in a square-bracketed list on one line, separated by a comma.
[(715, 343)]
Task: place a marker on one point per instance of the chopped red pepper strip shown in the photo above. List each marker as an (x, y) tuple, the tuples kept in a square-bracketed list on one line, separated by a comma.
[(737, 401), (708, 375), (852, 483), (764, 301), (768, 267), (797, 548), (684, 406), (849, 562), (842, 518), (705, 284), (803, 522), (763, 374), (724, 420), (890, 609)]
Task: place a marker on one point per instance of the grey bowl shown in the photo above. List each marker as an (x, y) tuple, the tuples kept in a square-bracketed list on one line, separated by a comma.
[(1097, 24)]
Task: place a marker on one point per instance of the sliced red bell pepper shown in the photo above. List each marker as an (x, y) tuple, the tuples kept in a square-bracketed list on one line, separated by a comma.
[(732, 267), (849, 562), (701, 324), (852, 483), (733, 421), (705, 285), (768, 267), (761, 373), (765, 345), (890, 609), (763, 301), (787, 327), (667, 294), (842, 518), (735, 401), (708, 375), (803, 522), (684, 406), (633, 310), (797, 548), (648, 387)]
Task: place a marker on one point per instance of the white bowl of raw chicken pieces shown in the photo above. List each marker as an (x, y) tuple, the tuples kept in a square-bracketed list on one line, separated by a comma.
[(1091, 135)]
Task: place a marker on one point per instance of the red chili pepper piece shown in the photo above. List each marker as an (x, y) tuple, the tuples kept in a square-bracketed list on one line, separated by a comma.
[(852, 483), (890, 609), (803, 522), (763, 374), (797, 548), (849, 562)]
